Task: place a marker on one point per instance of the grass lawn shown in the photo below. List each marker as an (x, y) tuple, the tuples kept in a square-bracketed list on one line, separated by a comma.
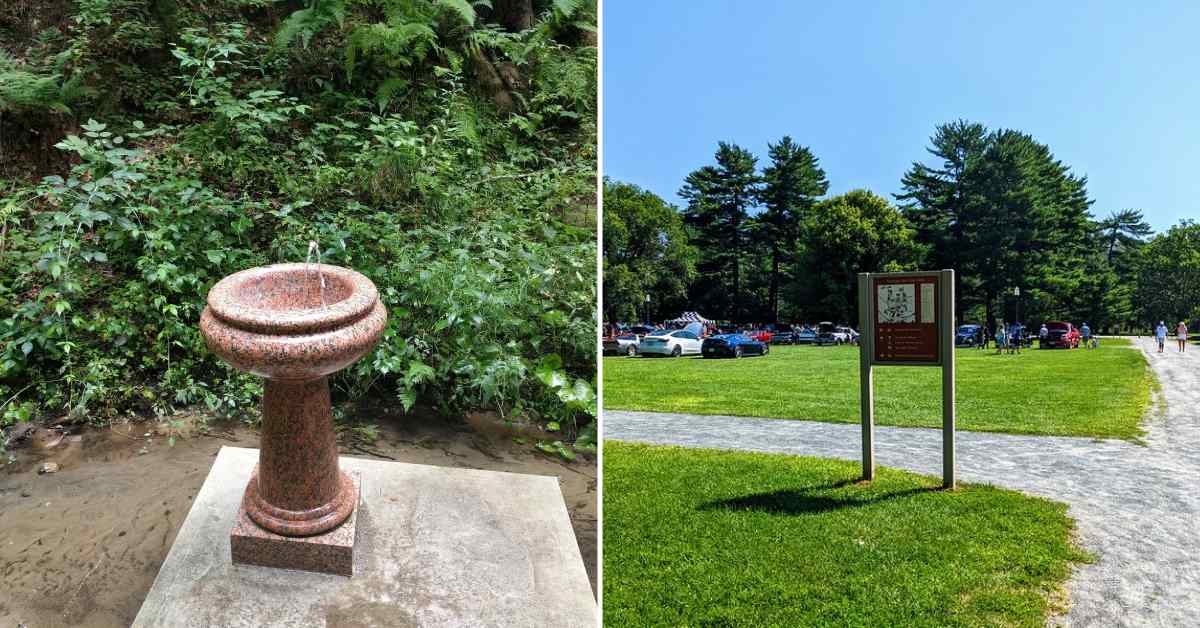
[(1103, 393), (698, 537)]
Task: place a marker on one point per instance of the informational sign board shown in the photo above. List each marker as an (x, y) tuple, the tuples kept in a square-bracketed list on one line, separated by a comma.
[(907, 319)]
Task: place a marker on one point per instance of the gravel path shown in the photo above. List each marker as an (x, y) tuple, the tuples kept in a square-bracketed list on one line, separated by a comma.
[(1138, 507)]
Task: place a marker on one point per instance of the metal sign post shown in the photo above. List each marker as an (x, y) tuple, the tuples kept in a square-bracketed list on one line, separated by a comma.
[(907, 319)]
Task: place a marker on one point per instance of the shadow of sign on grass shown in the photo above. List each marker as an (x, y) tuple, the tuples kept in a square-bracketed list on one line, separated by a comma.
[(807, 501)]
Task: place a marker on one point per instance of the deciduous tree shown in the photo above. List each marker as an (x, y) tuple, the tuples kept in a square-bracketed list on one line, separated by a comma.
[(1168, 286), (646, 251), (855, 232)]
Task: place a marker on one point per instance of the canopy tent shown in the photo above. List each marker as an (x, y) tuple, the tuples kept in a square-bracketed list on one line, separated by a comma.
[(689, 317)]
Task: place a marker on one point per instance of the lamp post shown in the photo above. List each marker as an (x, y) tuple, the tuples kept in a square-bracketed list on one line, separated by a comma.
[(1017, 295), (647, 308)]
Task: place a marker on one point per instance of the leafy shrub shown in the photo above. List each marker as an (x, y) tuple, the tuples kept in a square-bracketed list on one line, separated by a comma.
[(461, 214)]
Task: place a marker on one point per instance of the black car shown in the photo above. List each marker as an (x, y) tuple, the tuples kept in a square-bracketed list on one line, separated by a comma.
[(732, 346)]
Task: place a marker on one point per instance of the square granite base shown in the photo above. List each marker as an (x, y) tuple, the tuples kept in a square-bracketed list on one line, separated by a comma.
[(331, 552), (436, 546)]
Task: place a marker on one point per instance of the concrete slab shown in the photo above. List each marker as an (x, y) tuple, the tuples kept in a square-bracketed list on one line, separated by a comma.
[(436, 547)]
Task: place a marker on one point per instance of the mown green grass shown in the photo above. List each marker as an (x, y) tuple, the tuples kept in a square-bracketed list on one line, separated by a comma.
[(1101, 393), (712, 538)]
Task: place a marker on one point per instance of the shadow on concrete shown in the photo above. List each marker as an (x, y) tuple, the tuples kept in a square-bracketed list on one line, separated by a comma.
[(807, 501)]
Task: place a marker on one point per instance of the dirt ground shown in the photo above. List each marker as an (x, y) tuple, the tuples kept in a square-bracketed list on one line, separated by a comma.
[(82, 546)]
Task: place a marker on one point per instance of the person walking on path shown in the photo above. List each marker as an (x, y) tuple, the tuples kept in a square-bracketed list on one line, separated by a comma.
[(1181, 335), (1001, 338), (1086, 333), (1160, 334)]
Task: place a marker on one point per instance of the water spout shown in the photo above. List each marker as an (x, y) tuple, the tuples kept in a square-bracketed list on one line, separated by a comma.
[(313, 247)]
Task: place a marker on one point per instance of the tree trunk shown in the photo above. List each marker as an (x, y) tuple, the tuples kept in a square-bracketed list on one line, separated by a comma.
[(773, 298), (515, 15), (960, 310), (737, 278), (991, 314), (492, 83)]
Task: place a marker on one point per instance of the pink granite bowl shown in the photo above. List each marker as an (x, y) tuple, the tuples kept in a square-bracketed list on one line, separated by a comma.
[(276, 321)]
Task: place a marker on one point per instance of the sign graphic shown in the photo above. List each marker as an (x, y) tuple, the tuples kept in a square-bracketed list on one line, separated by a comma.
[(897, 303), (906, 321)]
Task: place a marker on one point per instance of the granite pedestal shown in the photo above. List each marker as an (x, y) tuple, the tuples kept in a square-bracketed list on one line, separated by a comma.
[(435, 546), (328, 552)]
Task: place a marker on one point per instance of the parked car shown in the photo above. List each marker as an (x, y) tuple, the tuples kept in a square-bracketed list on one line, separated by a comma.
[(672, 343), (620, 344), (1061, 335), (849, 334), (968, 336), (804, 336), (783, 335), (761, 335), (830, 334), (641, 330), (733, 346)]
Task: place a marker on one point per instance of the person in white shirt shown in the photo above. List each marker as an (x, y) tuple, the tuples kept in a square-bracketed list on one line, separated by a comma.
[(1181, 335)]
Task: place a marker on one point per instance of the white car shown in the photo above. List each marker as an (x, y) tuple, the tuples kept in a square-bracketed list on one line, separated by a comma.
[(672, 343)]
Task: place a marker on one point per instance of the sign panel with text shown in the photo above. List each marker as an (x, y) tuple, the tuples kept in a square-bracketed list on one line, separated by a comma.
[(906, 321)]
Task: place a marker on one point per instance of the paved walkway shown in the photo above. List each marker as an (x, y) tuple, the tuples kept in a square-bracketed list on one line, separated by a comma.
[(1137, 507)]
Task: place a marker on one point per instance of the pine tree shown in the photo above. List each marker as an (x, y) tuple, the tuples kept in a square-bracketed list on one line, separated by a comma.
[(934, 198), (719, 199), (1005, 213), (791, 184)]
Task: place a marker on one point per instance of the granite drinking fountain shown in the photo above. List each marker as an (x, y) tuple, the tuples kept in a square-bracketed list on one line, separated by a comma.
[(291, 534), (294, 325)]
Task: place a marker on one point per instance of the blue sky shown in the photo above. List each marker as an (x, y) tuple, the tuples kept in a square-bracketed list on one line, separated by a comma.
[(1112, 88)]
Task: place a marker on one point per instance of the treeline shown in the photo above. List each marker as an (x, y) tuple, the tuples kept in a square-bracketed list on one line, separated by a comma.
[(767, 244)]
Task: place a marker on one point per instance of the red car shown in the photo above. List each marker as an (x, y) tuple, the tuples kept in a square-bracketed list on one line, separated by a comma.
[(1062, 336), (761, 335)]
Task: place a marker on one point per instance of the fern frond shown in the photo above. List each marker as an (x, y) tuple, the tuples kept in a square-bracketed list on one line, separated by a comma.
[(308, 22), (460, 7), (387, 89), (23, 90), (567, 8), (400, 44)]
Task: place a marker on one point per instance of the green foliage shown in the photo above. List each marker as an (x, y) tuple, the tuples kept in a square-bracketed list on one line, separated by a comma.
[(30, 90), (1168, 276), (1113, 269), (646, 251), (305, 23), (480, 310), (468, 220), (719, 199), (791, 184), (1004, 213), (851, 233)]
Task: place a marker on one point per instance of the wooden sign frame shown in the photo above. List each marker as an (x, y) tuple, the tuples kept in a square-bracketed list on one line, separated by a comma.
[(911, 340)]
